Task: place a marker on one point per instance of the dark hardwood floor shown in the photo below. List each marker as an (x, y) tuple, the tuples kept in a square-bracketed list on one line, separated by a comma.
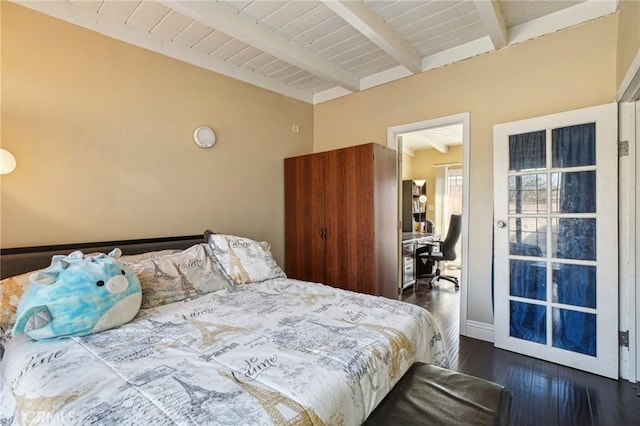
[(543, 393)]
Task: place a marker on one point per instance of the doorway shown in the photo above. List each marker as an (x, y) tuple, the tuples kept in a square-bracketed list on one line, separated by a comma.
[(398, 137)]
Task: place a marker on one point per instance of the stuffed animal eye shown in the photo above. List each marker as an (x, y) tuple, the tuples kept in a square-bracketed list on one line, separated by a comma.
[(100, 283), (123, 272)]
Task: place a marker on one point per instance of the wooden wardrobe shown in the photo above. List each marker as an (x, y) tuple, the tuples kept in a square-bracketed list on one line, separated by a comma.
[(341, 219)]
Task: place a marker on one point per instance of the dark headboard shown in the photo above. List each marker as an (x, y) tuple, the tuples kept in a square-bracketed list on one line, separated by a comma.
[(14, 261)]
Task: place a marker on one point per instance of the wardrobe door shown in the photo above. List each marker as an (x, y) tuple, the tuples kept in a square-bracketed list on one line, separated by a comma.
[(304, 218), (349, 215)]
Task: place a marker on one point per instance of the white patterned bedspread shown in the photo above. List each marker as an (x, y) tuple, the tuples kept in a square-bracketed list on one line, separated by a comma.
[(277, 352)]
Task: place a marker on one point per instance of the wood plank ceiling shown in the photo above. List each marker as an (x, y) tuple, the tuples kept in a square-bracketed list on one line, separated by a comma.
[(320, 50)]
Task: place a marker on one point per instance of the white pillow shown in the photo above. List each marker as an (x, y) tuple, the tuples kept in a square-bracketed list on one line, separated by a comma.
[(173, 277), (244, 260)]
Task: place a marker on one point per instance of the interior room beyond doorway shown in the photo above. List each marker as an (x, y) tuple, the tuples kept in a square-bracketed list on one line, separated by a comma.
[(435, 155)]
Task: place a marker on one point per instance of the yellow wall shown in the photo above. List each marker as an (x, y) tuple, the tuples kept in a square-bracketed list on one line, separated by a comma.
[(628, 37), (549, 74), (102, 133), (407, 166), (422, 168)]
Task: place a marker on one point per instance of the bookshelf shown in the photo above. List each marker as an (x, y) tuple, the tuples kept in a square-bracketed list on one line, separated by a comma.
[(413, 210)]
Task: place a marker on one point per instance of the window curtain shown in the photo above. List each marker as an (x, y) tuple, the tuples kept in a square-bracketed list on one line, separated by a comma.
[(441, 199)]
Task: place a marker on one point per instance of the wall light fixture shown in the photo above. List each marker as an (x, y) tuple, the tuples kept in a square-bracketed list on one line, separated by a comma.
[(7, 162)]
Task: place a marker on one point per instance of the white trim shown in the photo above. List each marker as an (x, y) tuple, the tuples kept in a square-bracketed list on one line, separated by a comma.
[(400, 254), (629, 123), (393, 131), (635, 254), (464, 270), (627, 232), (464, 118), (629, 89), (479, 330)]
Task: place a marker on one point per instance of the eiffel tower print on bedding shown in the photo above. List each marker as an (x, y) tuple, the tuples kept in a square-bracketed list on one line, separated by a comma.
[(280, 351)]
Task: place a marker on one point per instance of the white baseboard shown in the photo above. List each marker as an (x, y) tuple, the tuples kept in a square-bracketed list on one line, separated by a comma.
[(480, 331)]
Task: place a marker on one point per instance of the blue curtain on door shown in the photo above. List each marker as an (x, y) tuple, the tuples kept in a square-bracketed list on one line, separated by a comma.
[(575, 146), (527, 151)]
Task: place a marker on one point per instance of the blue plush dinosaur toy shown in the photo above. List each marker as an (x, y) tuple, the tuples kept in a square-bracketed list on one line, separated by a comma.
[(82, 295)]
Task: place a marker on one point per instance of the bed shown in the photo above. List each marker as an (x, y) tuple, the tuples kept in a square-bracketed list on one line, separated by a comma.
[(252, 348)]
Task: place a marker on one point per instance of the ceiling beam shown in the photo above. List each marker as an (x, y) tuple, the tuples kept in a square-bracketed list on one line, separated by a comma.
[(360, 17), (494, 21), (245, 29), (439, 146)]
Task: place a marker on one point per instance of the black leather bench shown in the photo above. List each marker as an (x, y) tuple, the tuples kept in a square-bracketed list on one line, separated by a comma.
[(430, 395)]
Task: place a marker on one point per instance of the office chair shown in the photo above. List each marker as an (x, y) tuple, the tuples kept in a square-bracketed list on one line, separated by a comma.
[(444, 251)]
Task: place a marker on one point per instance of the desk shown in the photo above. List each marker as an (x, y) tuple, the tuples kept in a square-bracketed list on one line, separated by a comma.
[(412, 242)]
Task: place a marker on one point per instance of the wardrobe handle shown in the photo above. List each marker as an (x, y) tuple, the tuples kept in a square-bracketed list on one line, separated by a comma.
[(322, 233)]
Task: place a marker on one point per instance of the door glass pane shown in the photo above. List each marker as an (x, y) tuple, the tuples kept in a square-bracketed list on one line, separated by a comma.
[(574, 285), (574, 331), (528, 322), (528, 279), (528, 194), (527, 151), (573, 192), (573, 238), (573, 146), (528, 236)]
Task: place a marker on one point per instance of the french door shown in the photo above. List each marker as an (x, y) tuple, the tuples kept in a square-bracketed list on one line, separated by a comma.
[(556, 238)]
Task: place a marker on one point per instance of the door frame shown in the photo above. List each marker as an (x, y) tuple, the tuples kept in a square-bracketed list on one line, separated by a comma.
[(392, 137), (629, 127), (628, 96)]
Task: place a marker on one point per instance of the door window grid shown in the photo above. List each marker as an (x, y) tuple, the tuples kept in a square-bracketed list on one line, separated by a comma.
[(528, 193)]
